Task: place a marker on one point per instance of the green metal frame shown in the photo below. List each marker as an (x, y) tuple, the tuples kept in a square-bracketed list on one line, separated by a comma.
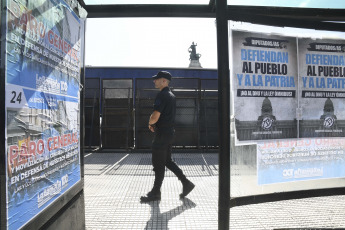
[(311, 18)]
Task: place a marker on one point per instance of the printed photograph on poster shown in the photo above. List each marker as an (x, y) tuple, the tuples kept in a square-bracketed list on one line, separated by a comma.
[(264, 84), (280, 161), (322, 85), (43, 45)]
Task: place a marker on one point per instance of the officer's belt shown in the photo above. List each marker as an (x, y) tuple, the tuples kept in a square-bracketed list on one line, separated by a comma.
[(165, 125)]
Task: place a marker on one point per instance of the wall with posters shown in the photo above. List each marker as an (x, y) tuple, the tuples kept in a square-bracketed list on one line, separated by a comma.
[(288, 106), (42, 105)]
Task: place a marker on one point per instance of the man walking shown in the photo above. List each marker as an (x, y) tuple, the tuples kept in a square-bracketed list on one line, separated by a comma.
[(161, 122)]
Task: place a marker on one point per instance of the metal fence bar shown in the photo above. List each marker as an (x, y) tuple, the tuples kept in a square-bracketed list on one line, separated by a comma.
[(101, 120), (92, 118), (128, 118), (205, 120)]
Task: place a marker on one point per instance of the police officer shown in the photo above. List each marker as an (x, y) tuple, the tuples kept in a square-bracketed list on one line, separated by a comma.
[(162, 122)]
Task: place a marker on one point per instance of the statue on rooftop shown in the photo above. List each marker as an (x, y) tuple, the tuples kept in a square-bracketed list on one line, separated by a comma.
[(194, 57), (192, 50)]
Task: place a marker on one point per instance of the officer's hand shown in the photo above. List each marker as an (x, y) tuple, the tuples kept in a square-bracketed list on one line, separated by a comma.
[(152, 128)]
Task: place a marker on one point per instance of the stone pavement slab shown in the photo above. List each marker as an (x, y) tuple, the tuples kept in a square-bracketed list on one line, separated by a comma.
[(114, 183)]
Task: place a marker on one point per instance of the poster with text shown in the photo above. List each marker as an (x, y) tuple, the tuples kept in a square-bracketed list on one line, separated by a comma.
[(43, 43), (322, 84), (300, 159), (264, 81)]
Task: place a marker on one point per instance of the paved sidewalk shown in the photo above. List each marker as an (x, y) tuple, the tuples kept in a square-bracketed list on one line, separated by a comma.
[(115, 181)]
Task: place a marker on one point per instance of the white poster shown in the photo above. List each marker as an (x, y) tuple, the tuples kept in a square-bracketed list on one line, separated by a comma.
[(322, 81), (264, 81)]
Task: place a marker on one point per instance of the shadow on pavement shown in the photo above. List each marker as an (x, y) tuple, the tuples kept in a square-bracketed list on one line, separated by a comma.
[(160, 220)]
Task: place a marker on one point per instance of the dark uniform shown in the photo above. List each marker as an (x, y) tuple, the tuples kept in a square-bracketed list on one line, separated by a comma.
[(165, 104)]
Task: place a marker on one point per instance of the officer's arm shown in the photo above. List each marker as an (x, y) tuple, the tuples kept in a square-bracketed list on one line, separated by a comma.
[(153, 119)]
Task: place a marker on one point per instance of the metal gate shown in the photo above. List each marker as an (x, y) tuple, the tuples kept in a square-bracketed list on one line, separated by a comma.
[(117, 117), (92, 113), (110, 113), (196, 112), (187, 92), (144, 99), (209, 113)]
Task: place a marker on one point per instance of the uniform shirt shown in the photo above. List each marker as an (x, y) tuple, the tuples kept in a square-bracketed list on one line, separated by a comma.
[(165, 103)]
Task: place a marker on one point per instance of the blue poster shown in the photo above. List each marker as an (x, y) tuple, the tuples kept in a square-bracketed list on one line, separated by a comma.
[(43, 52), (289, 160)]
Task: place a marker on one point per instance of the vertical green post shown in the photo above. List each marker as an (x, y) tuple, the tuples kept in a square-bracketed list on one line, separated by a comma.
[(224, 114), (3, 206)]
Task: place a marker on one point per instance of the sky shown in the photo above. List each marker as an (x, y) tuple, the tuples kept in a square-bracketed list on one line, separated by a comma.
[(150, 42), (164, 42)]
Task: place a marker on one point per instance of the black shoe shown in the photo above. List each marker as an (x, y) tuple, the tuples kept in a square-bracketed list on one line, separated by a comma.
[(151, 196), (188, 186)]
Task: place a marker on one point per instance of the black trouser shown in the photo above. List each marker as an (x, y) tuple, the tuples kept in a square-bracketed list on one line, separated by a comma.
[(161, 156)]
